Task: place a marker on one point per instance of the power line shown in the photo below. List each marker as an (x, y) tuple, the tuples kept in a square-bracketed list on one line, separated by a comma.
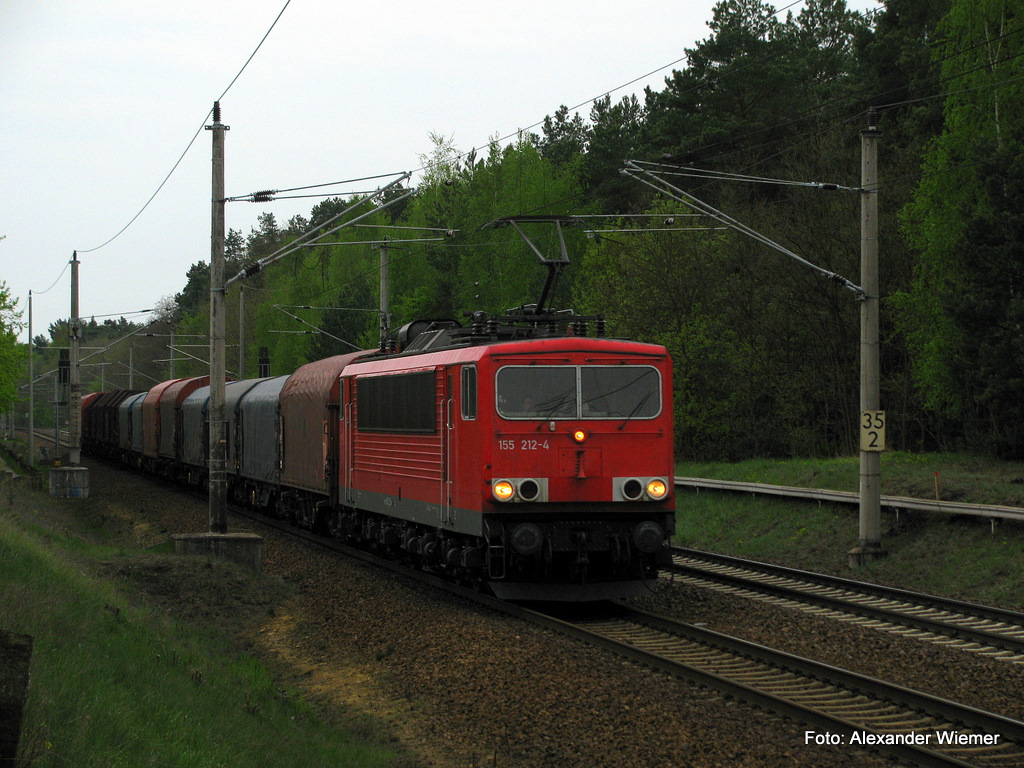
[(263, 40), (67, 265), (267, 194), (290, 248), (190, 143)]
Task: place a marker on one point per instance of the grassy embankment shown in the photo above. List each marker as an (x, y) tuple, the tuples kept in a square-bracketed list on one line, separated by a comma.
[(956, 556), (117, 681)]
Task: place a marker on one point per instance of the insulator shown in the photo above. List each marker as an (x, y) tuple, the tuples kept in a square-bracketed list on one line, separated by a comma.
[(601, 327), (216, 111)]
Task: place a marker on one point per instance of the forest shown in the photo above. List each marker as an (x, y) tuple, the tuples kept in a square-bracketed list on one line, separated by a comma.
[(764, 123)]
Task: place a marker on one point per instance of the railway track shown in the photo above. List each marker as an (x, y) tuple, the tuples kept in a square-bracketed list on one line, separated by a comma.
[(850, 709), (994, 632), (838, 707)]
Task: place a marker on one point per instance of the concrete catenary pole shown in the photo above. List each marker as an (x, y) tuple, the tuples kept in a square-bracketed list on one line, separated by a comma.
[(74, 374), (870, 543), (218, 446), (241, 331), (385, 309), (31, 390)]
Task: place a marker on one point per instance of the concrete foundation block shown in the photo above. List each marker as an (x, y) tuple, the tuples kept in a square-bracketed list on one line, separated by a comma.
[(866, 553), (69, 482), (243, 548)]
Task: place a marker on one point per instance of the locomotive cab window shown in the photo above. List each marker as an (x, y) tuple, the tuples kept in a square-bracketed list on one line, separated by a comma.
[(632, 391), (578, 392), (469, 393)]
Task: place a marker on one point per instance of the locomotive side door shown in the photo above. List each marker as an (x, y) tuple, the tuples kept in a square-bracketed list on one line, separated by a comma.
[(448, 449), (346, 450)]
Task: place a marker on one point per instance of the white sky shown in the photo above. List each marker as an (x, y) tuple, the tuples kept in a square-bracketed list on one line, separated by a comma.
[(100, 98)]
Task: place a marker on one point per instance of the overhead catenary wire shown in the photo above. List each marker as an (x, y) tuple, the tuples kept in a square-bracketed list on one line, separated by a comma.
[(701, 173), (277, 192), (317, 330), (291, 247), (649, 229), (634, 170), (373, 242), (323, 309)]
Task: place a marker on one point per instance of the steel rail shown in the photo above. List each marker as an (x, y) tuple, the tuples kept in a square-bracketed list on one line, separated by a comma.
[(985, 625), (811, 692)]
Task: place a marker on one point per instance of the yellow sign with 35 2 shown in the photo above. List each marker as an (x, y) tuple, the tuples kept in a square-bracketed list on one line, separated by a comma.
[(872, 430)]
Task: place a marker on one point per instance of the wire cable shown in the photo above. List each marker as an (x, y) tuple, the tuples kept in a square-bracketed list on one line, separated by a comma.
[(190, 143), (54, 283), (287, 3)]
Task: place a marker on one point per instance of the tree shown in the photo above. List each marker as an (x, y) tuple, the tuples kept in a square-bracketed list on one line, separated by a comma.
[(895, 64), (234, 253), (565, 139), (960, 313), (196, 294), (615, 137), (351, 320), (738, 85), (263, 240), (11, 353)]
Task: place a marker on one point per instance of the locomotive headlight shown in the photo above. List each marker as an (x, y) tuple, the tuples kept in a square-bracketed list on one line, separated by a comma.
[(529, 490), (503, 490), (632, 489), (657, 488), (579, 435)]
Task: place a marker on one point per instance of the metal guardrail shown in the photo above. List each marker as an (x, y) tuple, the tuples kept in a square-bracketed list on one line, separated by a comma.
[(845, 497)]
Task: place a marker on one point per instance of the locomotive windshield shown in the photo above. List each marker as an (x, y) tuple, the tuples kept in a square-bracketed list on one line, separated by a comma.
[(578, 392)]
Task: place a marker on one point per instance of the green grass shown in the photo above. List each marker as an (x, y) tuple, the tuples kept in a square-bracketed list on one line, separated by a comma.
[(952, 555), (115, 682)]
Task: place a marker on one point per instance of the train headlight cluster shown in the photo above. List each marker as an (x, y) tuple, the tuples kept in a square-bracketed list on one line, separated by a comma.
[(639, 488), (579, 435), (520, 489)]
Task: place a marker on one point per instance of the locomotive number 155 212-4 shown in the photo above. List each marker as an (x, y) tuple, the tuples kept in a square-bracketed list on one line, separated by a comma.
[(522, 445)]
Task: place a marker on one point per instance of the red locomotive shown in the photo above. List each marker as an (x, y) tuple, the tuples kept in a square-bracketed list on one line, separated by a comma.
[(542, 466)]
